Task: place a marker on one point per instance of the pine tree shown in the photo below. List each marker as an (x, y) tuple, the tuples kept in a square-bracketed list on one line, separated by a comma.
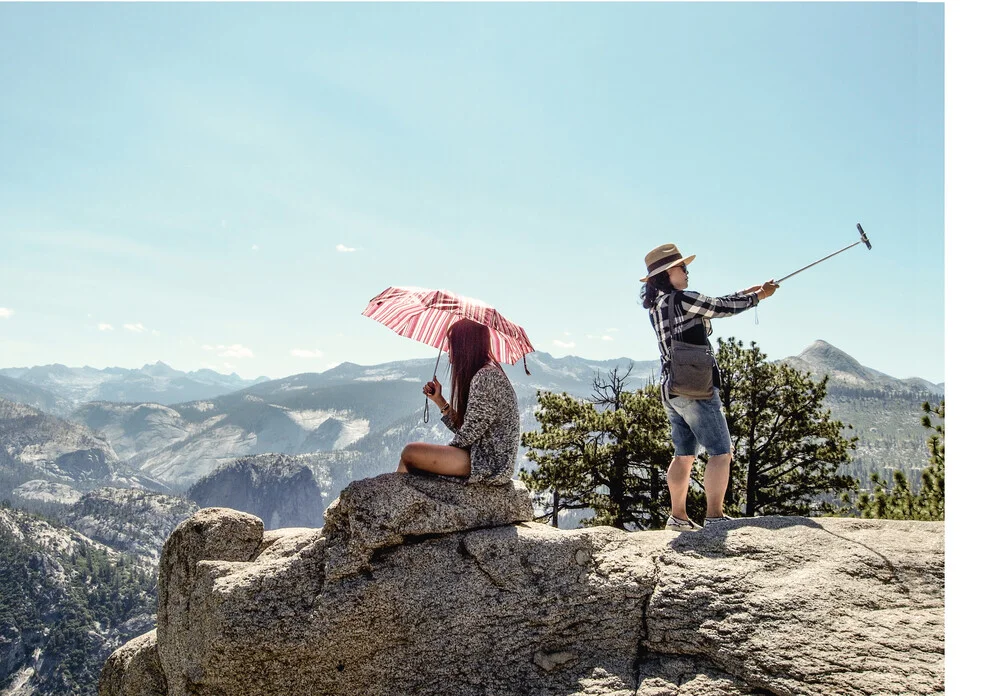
[(898, 502), (787, 451), (608, 454)]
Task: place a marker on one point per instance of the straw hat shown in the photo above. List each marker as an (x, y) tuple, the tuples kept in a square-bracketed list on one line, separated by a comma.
[(663, 258)]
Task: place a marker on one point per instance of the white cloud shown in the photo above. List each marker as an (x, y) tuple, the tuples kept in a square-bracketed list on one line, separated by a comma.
[(610, 330), (6, 313), (105, 327), (303, 353), (135, 328), (255, 248), (345, 249), (607, 338), (236, 351), (563, 344)]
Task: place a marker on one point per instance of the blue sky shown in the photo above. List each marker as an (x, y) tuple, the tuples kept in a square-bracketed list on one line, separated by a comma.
[(228, 185)]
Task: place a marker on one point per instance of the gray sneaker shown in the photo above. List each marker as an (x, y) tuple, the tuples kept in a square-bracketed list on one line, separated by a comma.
[(709, 521), (680, 525)]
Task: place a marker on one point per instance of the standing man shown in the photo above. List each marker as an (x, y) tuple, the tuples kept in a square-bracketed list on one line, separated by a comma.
[(684, 316)]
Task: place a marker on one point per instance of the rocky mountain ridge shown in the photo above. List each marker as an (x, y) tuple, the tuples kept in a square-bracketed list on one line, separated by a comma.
[(59, 385), (39, 446), (129, 520), (28, 394), (821, 358)]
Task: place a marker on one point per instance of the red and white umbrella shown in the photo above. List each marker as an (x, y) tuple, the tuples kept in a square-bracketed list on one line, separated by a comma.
[(426, 315)]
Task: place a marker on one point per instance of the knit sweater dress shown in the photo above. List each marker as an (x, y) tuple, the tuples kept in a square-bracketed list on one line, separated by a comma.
[(491, 430)]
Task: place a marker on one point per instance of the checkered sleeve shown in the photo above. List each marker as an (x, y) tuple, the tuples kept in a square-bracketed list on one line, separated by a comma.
[(714, 307)]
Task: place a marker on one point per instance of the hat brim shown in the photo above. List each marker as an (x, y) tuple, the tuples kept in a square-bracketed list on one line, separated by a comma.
[(658, 271)]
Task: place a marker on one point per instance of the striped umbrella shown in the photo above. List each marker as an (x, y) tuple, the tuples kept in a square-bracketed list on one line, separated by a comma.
[(426, 316)]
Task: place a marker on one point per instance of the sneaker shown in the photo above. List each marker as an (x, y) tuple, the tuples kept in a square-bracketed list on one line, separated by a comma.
[(680, 525), (709, 521)]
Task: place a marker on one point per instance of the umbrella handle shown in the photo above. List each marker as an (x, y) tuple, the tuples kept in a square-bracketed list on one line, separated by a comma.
[(427, 409)]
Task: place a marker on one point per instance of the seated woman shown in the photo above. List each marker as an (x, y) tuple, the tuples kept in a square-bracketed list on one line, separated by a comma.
[(482, 414)]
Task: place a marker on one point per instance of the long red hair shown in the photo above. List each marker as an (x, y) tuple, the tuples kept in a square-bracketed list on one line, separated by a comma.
[(469, 350)]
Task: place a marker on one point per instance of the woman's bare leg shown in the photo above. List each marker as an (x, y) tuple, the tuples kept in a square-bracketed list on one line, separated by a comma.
[(434, 459), (678, 478), (716, 482)]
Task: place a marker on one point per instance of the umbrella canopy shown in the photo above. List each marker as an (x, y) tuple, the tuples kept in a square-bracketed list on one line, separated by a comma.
[(426, 316)]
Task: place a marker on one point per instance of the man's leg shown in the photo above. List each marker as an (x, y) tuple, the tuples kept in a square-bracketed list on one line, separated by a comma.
[(716, 482), (678, 479)]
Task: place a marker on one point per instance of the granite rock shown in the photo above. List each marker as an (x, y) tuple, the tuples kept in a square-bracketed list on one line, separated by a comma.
[(423, 586)]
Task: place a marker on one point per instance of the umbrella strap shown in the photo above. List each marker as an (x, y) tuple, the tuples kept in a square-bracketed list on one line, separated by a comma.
[(427, 408), (525, 359)]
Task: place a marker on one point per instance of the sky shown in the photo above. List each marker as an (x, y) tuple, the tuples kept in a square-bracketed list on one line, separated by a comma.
[(228, 185)]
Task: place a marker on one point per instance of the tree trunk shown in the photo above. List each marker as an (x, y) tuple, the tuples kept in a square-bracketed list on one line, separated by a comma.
[(616, 490), (555, 508)]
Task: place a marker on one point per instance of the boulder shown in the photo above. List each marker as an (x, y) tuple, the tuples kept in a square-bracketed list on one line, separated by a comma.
[(210, 535), (134, 670), (386, 510), (418, 585)]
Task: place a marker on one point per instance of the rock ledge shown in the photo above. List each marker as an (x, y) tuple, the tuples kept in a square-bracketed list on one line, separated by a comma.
[(424, 586)]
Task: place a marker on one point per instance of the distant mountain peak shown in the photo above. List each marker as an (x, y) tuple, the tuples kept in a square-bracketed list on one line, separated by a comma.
[(161, 369), (822, 353), (822, 358)]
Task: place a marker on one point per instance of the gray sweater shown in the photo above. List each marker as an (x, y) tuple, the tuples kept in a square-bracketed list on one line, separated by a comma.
[(491, 430)]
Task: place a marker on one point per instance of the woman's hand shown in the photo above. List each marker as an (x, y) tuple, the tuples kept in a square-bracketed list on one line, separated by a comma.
[(432, 390), (767, 289)]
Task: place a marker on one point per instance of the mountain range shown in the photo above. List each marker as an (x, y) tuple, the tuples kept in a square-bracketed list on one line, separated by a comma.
[(365, 414), (58, 389)]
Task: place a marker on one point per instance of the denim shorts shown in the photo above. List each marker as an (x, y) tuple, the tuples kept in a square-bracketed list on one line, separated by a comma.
[(697, 421)]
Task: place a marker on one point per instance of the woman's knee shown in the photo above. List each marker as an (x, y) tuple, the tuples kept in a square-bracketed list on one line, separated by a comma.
[(409, 452)]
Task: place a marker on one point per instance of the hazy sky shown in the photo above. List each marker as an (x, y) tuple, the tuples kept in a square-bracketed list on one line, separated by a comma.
[(228, 185)]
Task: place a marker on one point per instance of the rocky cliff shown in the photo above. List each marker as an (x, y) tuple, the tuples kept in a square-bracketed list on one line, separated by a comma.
[(275, 487), (421, 586)]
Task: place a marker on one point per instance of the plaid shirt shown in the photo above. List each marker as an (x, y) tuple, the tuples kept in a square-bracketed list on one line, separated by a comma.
[(693, 313)]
